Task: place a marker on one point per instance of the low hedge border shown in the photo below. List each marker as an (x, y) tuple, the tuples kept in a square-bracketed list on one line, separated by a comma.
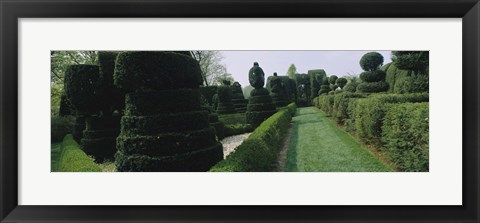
[(73, 159), (260, 151), (233, 119), (237, 129)]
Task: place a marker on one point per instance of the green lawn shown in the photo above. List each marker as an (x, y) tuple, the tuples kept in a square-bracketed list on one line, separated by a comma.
[(318, 145)]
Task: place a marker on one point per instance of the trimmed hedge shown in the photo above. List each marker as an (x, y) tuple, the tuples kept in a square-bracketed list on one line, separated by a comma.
[(225, 104), (371, 61), (369, 113), (238, 99), (373, 76), (60, 127), (140, 70), (154, 102), (99, 137), (325, 103), (292, 108), (73, 159), (82, 83), (260, 107), (405, 135), (260, 151), (78, 128), (340, 106), (208, 92), (372, 87), (233, 119), (113, 98), (236, 129)]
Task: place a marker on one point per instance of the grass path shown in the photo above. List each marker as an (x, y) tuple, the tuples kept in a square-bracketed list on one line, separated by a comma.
[(318, 145)]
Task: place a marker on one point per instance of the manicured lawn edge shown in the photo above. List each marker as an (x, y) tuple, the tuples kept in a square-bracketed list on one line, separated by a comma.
[(73, 159)]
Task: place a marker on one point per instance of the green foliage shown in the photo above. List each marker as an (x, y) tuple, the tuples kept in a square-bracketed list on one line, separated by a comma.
[(325, 103), (260, 151), (156, 70), (292, 108), (372, 87), (414, 83), (332, 79), (317, 77), (373, 76), (369, 113), (371, 61), (73, 159), (340, 105), (113, 98), (256, 76), (292, 70), (412, 60), (60, 127), (236, 129), (82, 85), (341, 82), (208, 92), (405, 134), (333, 87), (231, 119), (324, 89), (66, 108)]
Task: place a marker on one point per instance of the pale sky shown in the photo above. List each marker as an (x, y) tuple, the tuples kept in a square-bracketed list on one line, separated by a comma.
[(340, 63)]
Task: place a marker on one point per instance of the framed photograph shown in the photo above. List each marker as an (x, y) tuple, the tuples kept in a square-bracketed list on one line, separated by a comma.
[(255, 111)]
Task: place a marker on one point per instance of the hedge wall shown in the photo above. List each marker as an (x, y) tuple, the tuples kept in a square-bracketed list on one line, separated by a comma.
[(369, 113), (260, 151), (208, 92), (340, 106), (73, 159), (405, 135)]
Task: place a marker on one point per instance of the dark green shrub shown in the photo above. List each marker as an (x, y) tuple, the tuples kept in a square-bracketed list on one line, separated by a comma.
[(333, 87), (99, 137), (351, 87), (208, 92), (412, 60), (341, 82), (238, 99), (140, 70), (369, 113), (232, 119), (413, 83), (154, 102), (292, 108), (372, 87), (260, 151), (324, 89), (73, 159), (325, 103), (236, 129), (225, 104), (113, 98), (373, 76), (61, 126), (78, 128), (405, 134), (371, 61), (66, 107), (260, 107), (350, 120), (332, 79), (82, 84), (164, 122)]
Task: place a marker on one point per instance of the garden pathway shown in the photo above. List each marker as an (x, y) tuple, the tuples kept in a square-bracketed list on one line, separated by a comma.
[(318, 145)]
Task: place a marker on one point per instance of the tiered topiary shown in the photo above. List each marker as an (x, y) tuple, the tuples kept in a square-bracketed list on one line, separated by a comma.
[(373, 78), (81, 86), (164, 127), (213, 118), (225, 104), (260, 105), (103, 127), (278, 93), (238, 99), (316, 80), (332, 81)]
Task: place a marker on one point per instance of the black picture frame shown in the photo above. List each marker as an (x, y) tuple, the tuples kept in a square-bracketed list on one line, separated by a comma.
[(12, 10)]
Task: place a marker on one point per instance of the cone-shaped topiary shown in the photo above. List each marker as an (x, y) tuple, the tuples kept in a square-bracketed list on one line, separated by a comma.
[(260, 105), (225, 104), (238, 99), (164, 127), (373, 78), (278, 94)]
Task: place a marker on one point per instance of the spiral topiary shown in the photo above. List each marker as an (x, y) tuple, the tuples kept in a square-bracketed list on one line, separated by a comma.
[(260, 105), (164, 127), (238, 99)]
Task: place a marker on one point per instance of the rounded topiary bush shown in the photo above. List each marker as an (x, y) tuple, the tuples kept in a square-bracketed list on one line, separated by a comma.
[(165, 127), (373, 76), (371, 61), (351, 87), (341, 82), (225, 104), (256, 76), (142, 70), (81, 86), (332, 79), (372, 87)]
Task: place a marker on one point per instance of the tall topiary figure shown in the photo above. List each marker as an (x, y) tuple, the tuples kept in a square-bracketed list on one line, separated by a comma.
[(164, 127), (260, 105), (103, 128), (238, 99), (225, 103), (373, 78), (278, 91), (81, 86), (316, 80)]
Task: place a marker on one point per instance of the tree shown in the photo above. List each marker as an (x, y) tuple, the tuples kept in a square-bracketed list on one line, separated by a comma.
[(223, 77), (59, 61), (292, 70), (210, 65)]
